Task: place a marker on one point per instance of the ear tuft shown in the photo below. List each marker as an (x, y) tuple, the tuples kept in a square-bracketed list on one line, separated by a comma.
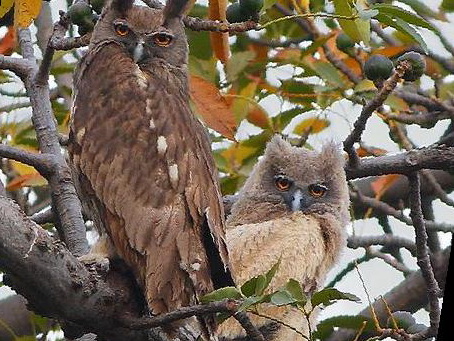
[(277, 145), (122, 6), (332, 156), (175, 9)]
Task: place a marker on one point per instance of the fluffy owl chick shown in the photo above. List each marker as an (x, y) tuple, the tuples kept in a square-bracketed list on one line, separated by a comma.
[(293, 206), (142, 161)]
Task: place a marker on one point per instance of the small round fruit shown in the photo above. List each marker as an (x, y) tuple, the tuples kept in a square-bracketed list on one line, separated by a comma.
[(235, 14), (79, 12), (97, 5), (344, 42), (418, 65), (378, 67), (251, 7), (403, 319)]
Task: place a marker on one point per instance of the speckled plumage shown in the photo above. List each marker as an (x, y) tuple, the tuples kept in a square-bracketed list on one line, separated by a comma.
[(142, 161), (263, 227)]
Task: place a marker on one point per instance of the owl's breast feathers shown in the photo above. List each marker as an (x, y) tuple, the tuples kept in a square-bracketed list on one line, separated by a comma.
[(143, 160), (307, 246)]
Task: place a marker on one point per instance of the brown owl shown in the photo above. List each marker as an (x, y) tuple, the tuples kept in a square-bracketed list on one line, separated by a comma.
[(141, 159), (293, 206)]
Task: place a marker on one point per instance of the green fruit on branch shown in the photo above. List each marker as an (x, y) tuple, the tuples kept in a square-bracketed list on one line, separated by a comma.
[(97, 5), (344, 43), (234, 14), (251, 7), (378, 67), (80, 13), (418, 65)]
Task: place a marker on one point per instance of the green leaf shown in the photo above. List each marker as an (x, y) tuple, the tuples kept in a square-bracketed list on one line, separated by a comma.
[(221, 294), (250, 301), (358, 29), (237, 63), (424, 10), (282, 297), (267, 4), (447, 5), (327, 296), (367, 14), (326, 327), (405, 15), (403, 27), (281, 120), (271, 272), (295, 289)]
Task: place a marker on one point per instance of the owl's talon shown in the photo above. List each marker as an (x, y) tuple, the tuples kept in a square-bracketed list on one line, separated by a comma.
[(96, 260)]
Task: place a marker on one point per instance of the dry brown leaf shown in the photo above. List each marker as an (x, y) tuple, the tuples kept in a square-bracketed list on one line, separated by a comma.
[(213, 107), (219, 41), (383, 183), (8, 42)]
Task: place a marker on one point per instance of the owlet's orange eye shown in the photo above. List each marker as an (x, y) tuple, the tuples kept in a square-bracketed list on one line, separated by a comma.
[(317, 190), (162, 38), (282, 183), (121, 28)]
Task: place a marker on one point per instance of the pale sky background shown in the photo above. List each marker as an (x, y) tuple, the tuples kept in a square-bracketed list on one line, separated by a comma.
[(379, 278)]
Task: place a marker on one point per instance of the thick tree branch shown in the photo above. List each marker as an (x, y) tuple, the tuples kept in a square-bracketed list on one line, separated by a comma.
[(434, 157), (66, 203), (389, 240)]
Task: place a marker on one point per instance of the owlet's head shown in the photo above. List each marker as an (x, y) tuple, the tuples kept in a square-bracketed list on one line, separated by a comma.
[(290, 179), (146, 34)]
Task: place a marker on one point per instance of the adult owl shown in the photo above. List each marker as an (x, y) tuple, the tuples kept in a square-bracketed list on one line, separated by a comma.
[(293, 207), (142, 161)]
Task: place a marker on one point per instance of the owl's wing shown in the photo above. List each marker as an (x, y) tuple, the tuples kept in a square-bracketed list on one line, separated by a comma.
[(147, 161)]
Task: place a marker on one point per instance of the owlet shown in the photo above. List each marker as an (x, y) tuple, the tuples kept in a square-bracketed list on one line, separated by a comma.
[(293, 207)]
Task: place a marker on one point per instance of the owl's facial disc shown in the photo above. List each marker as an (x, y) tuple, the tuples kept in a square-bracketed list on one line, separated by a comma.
[(298, 198)]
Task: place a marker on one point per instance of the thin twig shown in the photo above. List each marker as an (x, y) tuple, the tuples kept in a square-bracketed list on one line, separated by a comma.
[(423, 259), (439, 192), (391, 211), (251, 330), (368, 109), (45, 164), (389, 240), (388, 259)]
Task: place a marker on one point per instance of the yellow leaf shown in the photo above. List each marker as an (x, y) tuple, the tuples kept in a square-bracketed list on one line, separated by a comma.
[(237, 154), (27, 180), (311, 125), (5, 6), (219, 41), (25, 11), (213, 107), (21, 168)]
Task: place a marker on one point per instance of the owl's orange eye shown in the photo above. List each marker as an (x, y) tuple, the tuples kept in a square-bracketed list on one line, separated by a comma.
[(121, 28), (317, 190), (282, 183), (162, 39)]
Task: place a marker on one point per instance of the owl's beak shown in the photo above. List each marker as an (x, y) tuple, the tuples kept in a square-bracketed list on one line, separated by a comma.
[(298, 201), (138, 52)]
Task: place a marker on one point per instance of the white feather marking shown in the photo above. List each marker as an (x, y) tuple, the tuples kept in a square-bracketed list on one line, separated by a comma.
[(173, 174), (152, 125), (195, 266), (296, 203), (80, 135), (138, 51), (141, 78), (162, 143)]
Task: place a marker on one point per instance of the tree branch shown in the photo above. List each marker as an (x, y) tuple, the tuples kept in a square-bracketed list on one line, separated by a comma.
[(368, 109), (433, 157), (389, 240), (43, 163), (423, 259)]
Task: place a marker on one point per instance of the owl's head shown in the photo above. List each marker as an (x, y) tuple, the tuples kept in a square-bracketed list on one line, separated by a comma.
[(147, 34), (298, 179)]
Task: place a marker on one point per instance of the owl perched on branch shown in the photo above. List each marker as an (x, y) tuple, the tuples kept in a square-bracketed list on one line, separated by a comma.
[(142, 161), (293, 207)]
